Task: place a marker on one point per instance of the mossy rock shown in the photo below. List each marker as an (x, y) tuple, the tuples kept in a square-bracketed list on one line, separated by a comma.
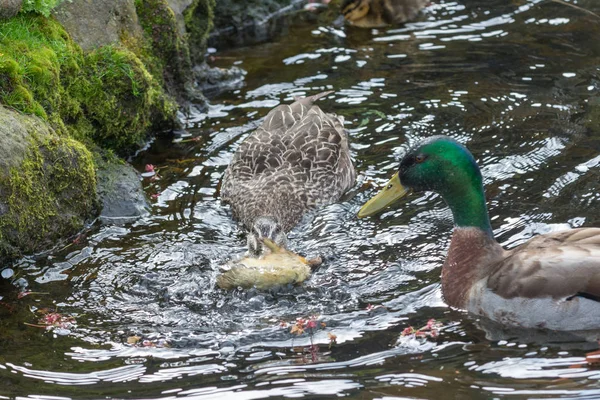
[(121, 99), (199, 22), (169, 49), (47, 185), (107, 96)]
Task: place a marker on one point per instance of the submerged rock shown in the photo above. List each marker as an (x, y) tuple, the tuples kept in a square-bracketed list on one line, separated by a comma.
[(47, 185)]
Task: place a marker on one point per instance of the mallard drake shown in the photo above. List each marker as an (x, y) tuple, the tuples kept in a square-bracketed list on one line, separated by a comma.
[(380, 13), (552, 281), (296, 160)]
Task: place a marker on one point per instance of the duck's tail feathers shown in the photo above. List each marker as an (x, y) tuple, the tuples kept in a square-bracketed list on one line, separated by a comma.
[(307, 101)]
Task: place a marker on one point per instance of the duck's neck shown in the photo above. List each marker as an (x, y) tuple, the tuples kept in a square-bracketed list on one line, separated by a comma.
[(467, 203), (472, 254), (473, 249)]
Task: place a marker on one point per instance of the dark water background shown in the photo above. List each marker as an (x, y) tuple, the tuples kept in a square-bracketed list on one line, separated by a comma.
[(517, 81)]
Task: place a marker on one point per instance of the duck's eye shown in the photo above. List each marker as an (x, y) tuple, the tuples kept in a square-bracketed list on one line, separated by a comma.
[(420, 158)]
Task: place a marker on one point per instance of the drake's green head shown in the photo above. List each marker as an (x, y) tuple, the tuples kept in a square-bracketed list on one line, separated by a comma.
[(442, 165)]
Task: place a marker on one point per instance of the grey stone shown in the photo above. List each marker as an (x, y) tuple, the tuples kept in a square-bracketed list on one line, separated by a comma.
[(15, 132), (9, 8), (95, 23), (213, 81)]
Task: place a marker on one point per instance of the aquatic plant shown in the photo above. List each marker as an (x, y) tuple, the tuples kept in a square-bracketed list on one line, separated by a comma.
[(309, 326)]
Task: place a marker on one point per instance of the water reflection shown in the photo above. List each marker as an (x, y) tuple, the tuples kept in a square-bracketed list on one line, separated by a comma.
[(515, 81)]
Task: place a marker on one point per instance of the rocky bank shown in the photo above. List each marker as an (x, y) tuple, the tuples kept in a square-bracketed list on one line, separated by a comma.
[(84, 83)]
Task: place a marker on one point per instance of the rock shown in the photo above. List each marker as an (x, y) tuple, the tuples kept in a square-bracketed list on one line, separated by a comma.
[(177, 45), (95, 23), (9, 8), (213, 81), (168, 44), (47, 185), (199, 23), (179, 7), (120, 191), (249, 22)]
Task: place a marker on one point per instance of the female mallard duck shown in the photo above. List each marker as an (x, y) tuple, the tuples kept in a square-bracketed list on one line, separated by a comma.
[(380, 13), (552, 281), (296, 160)]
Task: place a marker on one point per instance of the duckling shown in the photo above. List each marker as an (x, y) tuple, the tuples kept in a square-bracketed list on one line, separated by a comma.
[(551, 282), (380, 13), (278, 267), (297, 160)]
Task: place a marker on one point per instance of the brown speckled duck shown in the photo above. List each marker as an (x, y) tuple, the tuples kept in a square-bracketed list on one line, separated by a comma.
[(380, 13), (552, 281), (296, 160)]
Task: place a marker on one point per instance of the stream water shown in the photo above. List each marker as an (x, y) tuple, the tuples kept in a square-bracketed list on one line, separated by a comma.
[(139, 316)]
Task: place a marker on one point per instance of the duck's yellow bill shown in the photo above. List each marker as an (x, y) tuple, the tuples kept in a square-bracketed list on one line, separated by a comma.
[(393, 191)]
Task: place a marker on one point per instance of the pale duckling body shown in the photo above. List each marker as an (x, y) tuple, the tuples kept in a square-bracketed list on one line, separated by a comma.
[(278, 267), (381, 13), (551, 282)]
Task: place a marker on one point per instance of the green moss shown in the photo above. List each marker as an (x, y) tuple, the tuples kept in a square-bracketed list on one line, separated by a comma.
[(106, 100), (107, 96), (49, 195), (121, 98), (168, 51), (198, 22)]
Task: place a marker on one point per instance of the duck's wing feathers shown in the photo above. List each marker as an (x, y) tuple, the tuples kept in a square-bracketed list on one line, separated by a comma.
[(263, 151), (558, 265), (299, 157), (318, 150)]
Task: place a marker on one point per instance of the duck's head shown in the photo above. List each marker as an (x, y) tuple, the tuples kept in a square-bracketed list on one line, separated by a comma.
[(439, 164), (265, 228), (354, 10)]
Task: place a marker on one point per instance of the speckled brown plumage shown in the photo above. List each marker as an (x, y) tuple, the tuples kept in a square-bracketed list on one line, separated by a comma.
[(296, 160), (380, 13)]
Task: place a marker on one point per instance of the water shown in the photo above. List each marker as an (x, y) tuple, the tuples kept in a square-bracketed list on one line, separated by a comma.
[(518, 82)]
